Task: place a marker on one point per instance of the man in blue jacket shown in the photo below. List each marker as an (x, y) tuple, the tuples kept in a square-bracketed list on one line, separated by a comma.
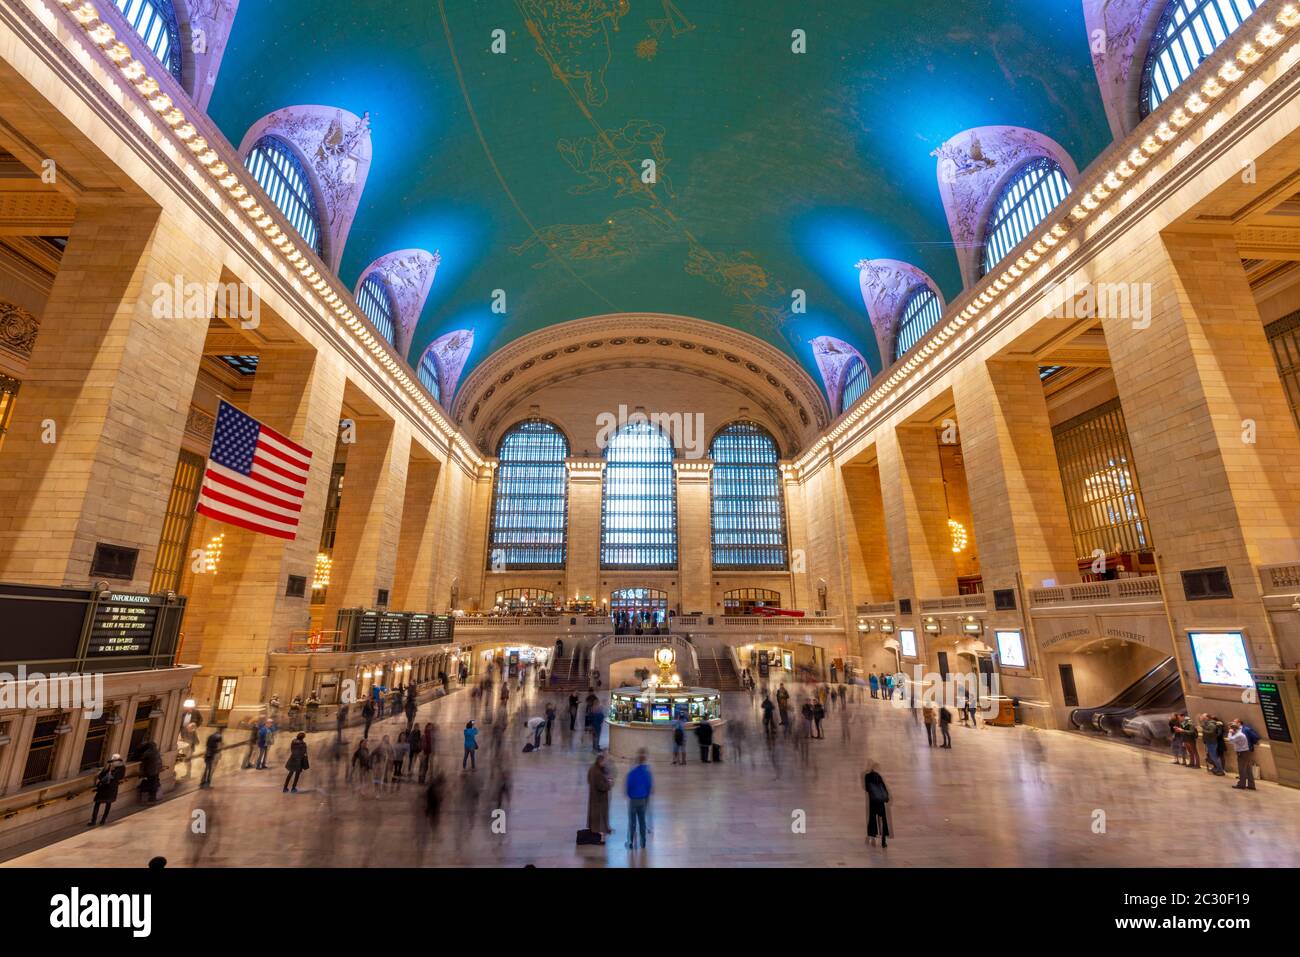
[(638, 786)]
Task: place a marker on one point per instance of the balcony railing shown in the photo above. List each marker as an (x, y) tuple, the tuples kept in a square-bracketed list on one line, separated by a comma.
[(949, 603), (1145, 588), (600, 624), (1280, 579)]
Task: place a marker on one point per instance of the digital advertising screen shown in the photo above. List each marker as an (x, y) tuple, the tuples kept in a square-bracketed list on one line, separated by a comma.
[(907, 642), (661, 711), (1011, 649), (1221, 658)]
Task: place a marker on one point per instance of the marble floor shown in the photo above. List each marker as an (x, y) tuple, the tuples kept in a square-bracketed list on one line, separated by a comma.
[(1000, 798)]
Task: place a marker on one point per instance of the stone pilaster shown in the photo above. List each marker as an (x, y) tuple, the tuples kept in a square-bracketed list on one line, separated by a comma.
[(370, 515), (582, 571), (866, 507), (694, 535), (241, 612), (91, 451), (1214, 440), (417, 548), (916, 513)]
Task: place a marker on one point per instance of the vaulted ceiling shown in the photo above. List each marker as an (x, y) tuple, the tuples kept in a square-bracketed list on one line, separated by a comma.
[(776, 171)]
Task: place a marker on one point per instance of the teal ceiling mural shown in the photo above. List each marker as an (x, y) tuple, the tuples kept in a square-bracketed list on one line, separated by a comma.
[(775, 171)]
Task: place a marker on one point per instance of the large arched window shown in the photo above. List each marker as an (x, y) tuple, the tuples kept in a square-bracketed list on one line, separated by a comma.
[(856, 378), (1030, 194), (530, 498), (282, 177), (155, 22), (428, 373), (638, 511), (377, 304), (748, 508), (920, 314), (1187, 32)]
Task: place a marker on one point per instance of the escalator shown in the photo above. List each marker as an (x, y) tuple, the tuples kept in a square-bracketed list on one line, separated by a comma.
[(1159, 690)]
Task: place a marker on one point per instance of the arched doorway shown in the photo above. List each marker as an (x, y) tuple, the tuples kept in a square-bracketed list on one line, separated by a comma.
[(638, 607), (744, 601)]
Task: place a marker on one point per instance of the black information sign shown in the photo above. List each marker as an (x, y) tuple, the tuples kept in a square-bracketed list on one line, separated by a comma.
[(402, 627), (1270, 702), (392, 626), (123, 625)]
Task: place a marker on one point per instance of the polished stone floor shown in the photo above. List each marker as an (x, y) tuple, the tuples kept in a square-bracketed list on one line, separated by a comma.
[(1001, 797)]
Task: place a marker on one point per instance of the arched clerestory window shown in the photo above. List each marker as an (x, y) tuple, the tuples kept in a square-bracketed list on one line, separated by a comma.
[(920, 314), (856, 377), (155, 22), (1032, 192), (530, 498), (284, 180), (638, 510), (1187, 32), (428, 374), (377, 304), (747, 501)]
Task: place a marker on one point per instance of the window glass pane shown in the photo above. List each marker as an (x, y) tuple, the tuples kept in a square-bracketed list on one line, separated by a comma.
[(155, 23), (375, 302), (920, 315), (638, 513), (1031, 193), (428, 373), (1188, 32), (1102, 495), (855, 384), (748, 506), (286, 184), (530, 499)]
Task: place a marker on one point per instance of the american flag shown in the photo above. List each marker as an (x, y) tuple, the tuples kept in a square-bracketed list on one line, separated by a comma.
[(255, 477)]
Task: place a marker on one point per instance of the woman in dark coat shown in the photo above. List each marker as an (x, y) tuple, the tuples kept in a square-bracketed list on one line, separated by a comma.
[(106, 782), (877, 798), (150, 771), (599, 783), (297, 762)]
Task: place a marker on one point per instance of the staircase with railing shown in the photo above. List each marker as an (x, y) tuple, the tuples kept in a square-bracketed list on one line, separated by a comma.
[(718, 671)]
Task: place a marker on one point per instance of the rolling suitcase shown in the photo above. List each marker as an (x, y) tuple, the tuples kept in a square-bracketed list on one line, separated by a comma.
[(589, 837)]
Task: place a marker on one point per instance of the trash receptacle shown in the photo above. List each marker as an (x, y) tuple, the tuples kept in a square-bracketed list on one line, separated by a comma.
[(1006, 715)]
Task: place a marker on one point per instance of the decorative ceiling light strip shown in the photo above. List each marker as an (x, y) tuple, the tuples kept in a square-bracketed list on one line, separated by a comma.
[(1108, 181), (136, 73)]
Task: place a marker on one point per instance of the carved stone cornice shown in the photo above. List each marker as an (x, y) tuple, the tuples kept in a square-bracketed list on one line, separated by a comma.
[(762, 373)]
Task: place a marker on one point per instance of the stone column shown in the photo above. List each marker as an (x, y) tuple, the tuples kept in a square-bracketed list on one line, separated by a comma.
[(582, 571), (90, 454), (916, 513), (418, 547), (872, 579), (1215, 444), (694, 535), (370, 515), (916, 520), (1017, 501), (238, 614)]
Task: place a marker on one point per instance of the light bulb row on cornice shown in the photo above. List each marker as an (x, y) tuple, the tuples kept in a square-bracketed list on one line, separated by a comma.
[(1228, 75), (138, 75)]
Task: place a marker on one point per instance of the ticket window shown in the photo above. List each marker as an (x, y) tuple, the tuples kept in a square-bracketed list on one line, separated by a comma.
[(326, 686), (225, 699), (141, 728), (42, 751), (96, 743)]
